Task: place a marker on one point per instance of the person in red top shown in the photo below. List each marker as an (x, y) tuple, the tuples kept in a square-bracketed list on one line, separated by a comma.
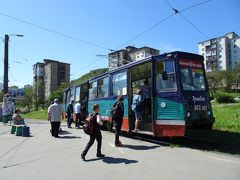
[(95, 133)]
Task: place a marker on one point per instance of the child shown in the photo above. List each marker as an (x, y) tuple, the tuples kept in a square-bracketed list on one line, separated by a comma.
[(95, 133)]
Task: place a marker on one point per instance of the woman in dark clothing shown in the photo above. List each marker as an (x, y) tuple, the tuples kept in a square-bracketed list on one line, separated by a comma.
[(117, 118)]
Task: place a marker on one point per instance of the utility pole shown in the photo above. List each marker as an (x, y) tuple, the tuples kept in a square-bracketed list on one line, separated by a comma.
[(5, 78)]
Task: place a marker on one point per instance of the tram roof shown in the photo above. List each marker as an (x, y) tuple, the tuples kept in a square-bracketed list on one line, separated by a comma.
[(131, 64)]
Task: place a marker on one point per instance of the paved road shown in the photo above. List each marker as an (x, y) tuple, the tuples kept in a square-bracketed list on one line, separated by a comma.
[(43, 157)]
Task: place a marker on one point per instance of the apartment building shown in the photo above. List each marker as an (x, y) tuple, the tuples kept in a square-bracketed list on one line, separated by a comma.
[(220, 53), (129, 54), (49, 75)]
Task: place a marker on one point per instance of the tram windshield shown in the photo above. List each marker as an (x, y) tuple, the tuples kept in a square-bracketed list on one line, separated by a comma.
[(192, 76)]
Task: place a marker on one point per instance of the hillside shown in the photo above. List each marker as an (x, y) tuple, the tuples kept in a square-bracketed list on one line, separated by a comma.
[(89, 75)]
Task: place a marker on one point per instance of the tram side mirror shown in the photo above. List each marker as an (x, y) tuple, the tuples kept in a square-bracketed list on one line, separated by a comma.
[(164, 75)]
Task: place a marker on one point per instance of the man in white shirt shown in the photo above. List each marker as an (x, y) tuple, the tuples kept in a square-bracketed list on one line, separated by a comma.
[(54, 115), (77, 111)]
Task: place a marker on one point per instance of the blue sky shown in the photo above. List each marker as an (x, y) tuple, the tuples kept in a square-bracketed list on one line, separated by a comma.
[(107, 23)]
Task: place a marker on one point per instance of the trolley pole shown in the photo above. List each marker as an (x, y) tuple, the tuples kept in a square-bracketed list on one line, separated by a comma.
[(5, 79)]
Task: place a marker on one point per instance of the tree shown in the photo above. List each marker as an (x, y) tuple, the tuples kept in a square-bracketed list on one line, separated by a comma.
[(214, 81), (38, 95)]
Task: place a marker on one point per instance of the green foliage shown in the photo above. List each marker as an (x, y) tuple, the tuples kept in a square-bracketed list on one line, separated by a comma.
[(59, 92), (40, 114), (27, 100), (227, 117), (226, 80), (89, 75)]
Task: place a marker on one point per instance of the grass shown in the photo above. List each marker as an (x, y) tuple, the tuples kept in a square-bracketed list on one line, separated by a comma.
[(227, 117), (41, 114)]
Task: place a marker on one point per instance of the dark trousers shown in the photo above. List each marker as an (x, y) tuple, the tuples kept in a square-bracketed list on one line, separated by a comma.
[(69, 120), (118, 126), (55, 128), (98, 136), (78, 119)]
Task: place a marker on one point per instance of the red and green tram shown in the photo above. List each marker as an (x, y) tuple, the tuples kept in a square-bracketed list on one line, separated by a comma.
[(179, 93)]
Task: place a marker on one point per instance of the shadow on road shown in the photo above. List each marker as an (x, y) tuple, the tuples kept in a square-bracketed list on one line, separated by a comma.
[(210, 140), (113, 160), (69, 137), (140, 147)]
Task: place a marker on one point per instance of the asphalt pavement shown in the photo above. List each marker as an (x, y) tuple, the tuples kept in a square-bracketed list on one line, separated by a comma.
[(42, 157)]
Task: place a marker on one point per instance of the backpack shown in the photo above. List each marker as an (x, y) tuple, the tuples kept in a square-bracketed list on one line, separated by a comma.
[(88, 124)]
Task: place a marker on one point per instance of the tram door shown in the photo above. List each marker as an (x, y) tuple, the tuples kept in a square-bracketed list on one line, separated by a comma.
[(140, 77)]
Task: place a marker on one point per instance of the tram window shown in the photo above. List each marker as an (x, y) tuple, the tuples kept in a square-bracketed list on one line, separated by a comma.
[(192, 79), (103, 87), (119, 84), (93, 90), (162, 83), (84, 91), (72, 94), (77, 94)]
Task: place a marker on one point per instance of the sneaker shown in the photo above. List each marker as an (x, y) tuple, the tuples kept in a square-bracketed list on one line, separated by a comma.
[(100, 155), (118, 145), (83, 157)]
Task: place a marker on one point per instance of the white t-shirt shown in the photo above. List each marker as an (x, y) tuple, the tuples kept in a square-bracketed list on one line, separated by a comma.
[(77, 108), (55, 111)]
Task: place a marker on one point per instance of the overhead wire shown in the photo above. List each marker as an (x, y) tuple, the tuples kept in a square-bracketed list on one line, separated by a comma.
[(55, 32), (162, 20), (186, 19), (158, 23)]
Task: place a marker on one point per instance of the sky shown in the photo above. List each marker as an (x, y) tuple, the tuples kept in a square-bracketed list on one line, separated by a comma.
[(82, 29)]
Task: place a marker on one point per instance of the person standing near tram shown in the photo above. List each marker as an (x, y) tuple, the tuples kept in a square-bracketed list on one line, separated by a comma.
[(77, 111), (69, 113), (146, 95), (118, 112), (137, 108)]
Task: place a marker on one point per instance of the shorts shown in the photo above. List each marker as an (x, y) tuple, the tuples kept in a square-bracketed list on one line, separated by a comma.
[(138, 115)]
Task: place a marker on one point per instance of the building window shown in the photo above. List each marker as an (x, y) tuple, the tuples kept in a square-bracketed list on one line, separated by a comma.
[(235, 51), (234, 46), (220, 56), (202, 49)]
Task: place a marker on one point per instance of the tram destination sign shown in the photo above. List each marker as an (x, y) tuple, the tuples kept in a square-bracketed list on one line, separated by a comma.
[(190, 63)]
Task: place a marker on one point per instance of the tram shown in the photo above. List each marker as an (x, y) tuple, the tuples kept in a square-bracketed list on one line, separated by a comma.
[(179, 99)]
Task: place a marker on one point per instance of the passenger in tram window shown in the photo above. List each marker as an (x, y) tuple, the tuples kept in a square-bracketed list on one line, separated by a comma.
[(146, 94), (117, 117), (137, 107)]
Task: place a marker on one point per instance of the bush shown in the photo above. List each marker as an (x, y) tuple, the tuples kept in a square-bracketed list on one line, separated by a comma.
[(225, 99)]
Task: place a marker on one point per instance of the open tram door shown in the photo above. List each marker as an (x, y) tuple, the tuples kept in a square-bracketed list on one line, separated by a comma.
[(140, 77)]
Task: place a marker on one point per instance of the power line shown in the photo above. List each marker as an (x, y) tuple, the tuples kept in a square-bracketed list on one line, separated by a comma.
[(86, 66), (195, 5), (147, 30), (179, 12), (195, 27), (55, 32), (161, 21), (25, 59)]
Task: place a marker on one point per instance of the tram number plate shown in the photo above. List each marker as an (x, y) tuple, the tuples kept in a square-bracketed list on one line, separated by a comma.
[(200, 108)]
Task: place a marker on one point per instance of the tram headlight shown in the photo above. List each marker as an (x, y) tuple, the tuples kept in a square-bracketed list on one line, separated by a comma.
[(209, 113), (188, 114)]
